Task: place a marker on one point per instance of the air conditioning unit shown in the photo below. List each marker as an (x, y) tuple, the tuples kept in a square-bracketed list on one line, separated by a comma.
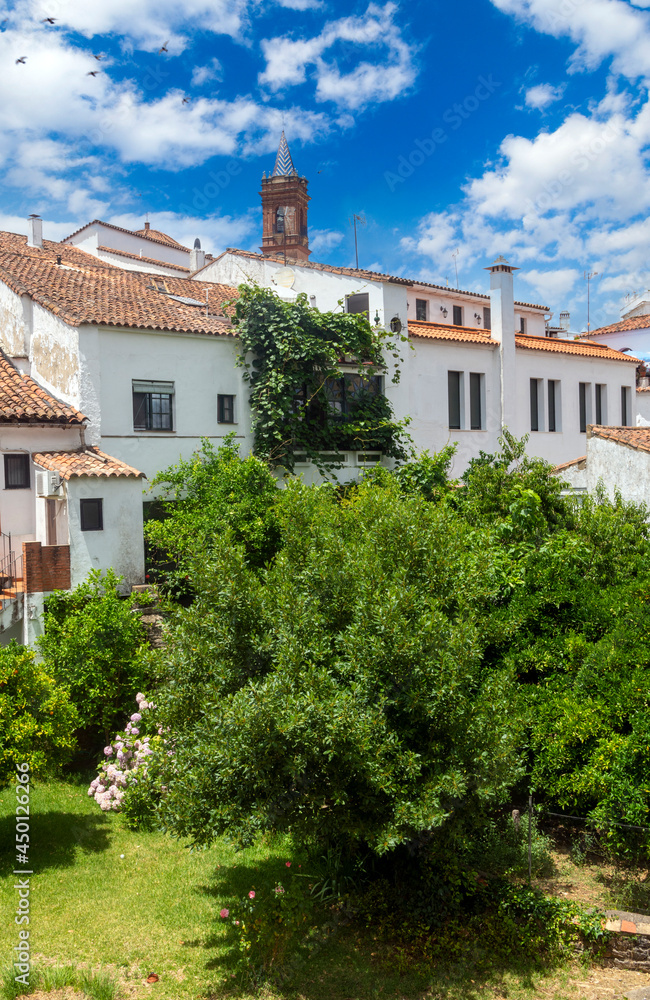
[(48, 484)]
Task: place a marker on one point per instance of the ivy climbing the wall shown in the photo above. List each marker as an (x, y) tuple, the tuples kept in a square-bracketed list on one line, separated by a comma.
[(316, 381)]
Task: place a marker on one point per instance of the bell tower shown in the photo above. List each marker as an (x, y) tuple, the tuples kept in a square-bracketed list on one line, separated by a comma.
[(284, 208)]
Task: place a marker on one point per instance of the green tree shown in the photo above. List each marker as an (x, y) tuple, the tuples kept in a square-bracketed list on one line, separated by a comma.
[(94, 644), (37, 719)]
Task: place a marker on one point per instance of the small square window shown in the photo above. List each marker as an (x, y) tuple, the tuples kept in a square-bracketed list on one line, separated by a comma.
[(92, 515), (421, 310), (359, 303), (225, 409), (17, 472), (152, 406)]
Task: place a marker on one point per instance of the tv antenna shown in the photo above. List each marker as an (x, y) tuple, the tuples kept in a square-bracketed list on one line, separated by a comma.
[(588, 275), (455, 256), (361, 219)]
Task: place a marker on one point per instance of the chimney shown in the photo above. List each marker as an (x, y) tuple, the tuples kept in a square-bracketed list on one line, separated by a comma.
[(197, 256), (35, 232), (502, 311), (565, 321), (147, 226)]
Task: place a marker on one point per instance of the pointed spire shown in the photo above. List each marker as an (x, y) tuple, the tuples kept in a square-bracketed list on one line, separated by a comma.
[(283, 162)]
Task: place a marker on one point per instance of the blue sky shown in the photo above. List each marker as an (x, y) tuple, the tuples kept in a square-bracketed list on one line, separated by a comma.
[(519, 127)]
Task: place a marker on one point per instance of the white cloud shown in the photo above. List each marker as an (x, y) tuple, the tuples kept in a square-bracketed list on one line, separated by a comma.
[(391, 72), (321, 241), (601, 29), (301, 4), (541, 95), (216, 232), (203, 74), (552, 285)]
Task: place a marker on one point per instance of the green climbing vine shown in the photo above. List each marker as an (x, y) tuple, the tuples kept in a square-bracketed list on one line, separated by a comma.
[(315, 380)]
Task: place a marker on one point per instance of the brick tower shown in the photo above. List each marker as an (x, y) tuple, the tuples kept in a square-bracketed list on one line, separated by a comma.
[(284, 207)]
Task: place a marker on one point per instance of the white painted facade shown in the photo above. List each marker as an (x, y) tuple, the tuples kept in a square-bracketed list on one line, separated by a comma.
[(634, 342), (120, 543), (618, 467), (100, 234)]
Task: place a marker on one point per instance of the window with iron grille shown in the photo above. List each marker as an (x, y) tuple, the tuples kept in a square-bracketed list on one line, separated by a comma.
[(91, 514), (152, 406), (225, 409), (17, 475)]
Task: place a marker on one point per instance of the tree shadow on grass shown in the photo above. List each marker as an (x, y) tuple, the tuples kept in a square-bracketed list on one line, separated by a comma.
[(54, 839), (343, 958)]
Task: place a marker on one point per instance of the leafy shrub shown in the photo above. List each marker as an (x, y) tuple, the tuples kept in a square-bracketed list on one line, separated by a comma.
[(37, 720), (94, 644)]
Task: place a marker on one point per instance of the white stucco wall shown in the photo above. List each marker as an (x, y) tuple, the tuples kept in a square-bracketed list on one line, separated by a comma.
[(129, 264), (54, 356), (200, 367), (15, 322), (620, 467), (97, 235), (643, 407), (638, 341), (120, 544)]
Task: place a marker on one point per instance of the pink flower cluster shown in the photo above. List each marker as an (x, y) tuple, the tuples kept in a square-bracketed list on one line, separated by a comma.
[(113, 779)]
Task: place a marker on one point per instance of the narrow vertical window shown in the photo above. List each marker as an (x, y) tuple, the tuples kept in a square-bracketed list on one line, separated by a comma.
[(225, 409), (552, 423), (600, 404), (421, 310), (534, 405), (522, 324), (458, 315), (454, 399), (475, 407), (487, 318), (279, 220), (625, 405), (17, 475), (582, 402)]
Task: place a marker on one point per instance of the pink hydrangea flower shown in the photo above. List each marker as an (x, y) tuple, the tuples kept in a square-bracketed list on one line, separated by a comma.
[(136, 717), (139, 697), (251, 895), (108, 751), (224, 914)]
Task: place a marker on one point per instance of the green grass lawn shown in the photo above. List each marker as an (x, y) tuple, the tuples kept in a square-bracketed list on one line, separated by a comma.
[(156, 909)]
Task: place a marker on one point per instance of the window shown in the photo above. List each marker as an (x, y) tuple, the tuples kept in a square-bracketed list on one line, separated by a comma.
[(553, 405), (454, 394), (358, 303), (534, 404), (225, 409), (487, 318), (17, 475), (421, 310), (92, 515), (279, 220), (584, 404), (458, 315), (625, 405), (522, 325), (152, 406), (601, 404), (475, 401), (345, 393)]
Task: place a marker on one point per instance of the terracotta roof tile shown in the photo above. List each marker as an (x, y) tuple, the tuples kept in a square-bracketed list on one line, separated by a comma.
[(145, 260), (23, 401), (84, 462), (83, 289), (631, 323), (582, 347), (568, 465), (442, 331), (643, 388), (632, 437), (146, 234)]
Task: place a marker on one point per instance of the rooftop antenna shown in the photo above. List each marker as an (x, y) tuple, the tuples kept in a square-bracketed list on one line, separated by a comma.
[(455, 256), (361, 219), (588, 275)]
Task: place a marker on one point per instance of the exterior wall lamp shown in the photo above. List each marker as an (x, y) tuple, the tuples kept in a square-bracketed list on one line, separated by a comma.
[(444, 311)]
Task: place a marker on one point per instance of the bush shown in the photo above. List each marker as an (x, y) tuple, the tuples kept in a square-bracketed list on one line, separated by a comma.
[(94, 644), (37, 720)]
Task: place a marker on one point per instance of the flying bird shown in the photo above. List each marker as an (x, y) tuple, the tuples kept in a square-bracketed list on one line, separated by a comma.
[(102, 55), (164, 47), (186, 100), (93, 72), (21, 60), (48, 20)]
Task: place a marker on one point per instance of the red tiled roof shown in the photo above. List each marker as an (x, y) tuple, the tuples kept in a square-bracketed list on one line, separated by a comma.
[(354, 272), (643, 388), (582, 347), (632, 437), (84, 462), (83, 289), (567, 465), (145, 260), (143, 233), (441, 331), (631, 323), (23, 401)]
